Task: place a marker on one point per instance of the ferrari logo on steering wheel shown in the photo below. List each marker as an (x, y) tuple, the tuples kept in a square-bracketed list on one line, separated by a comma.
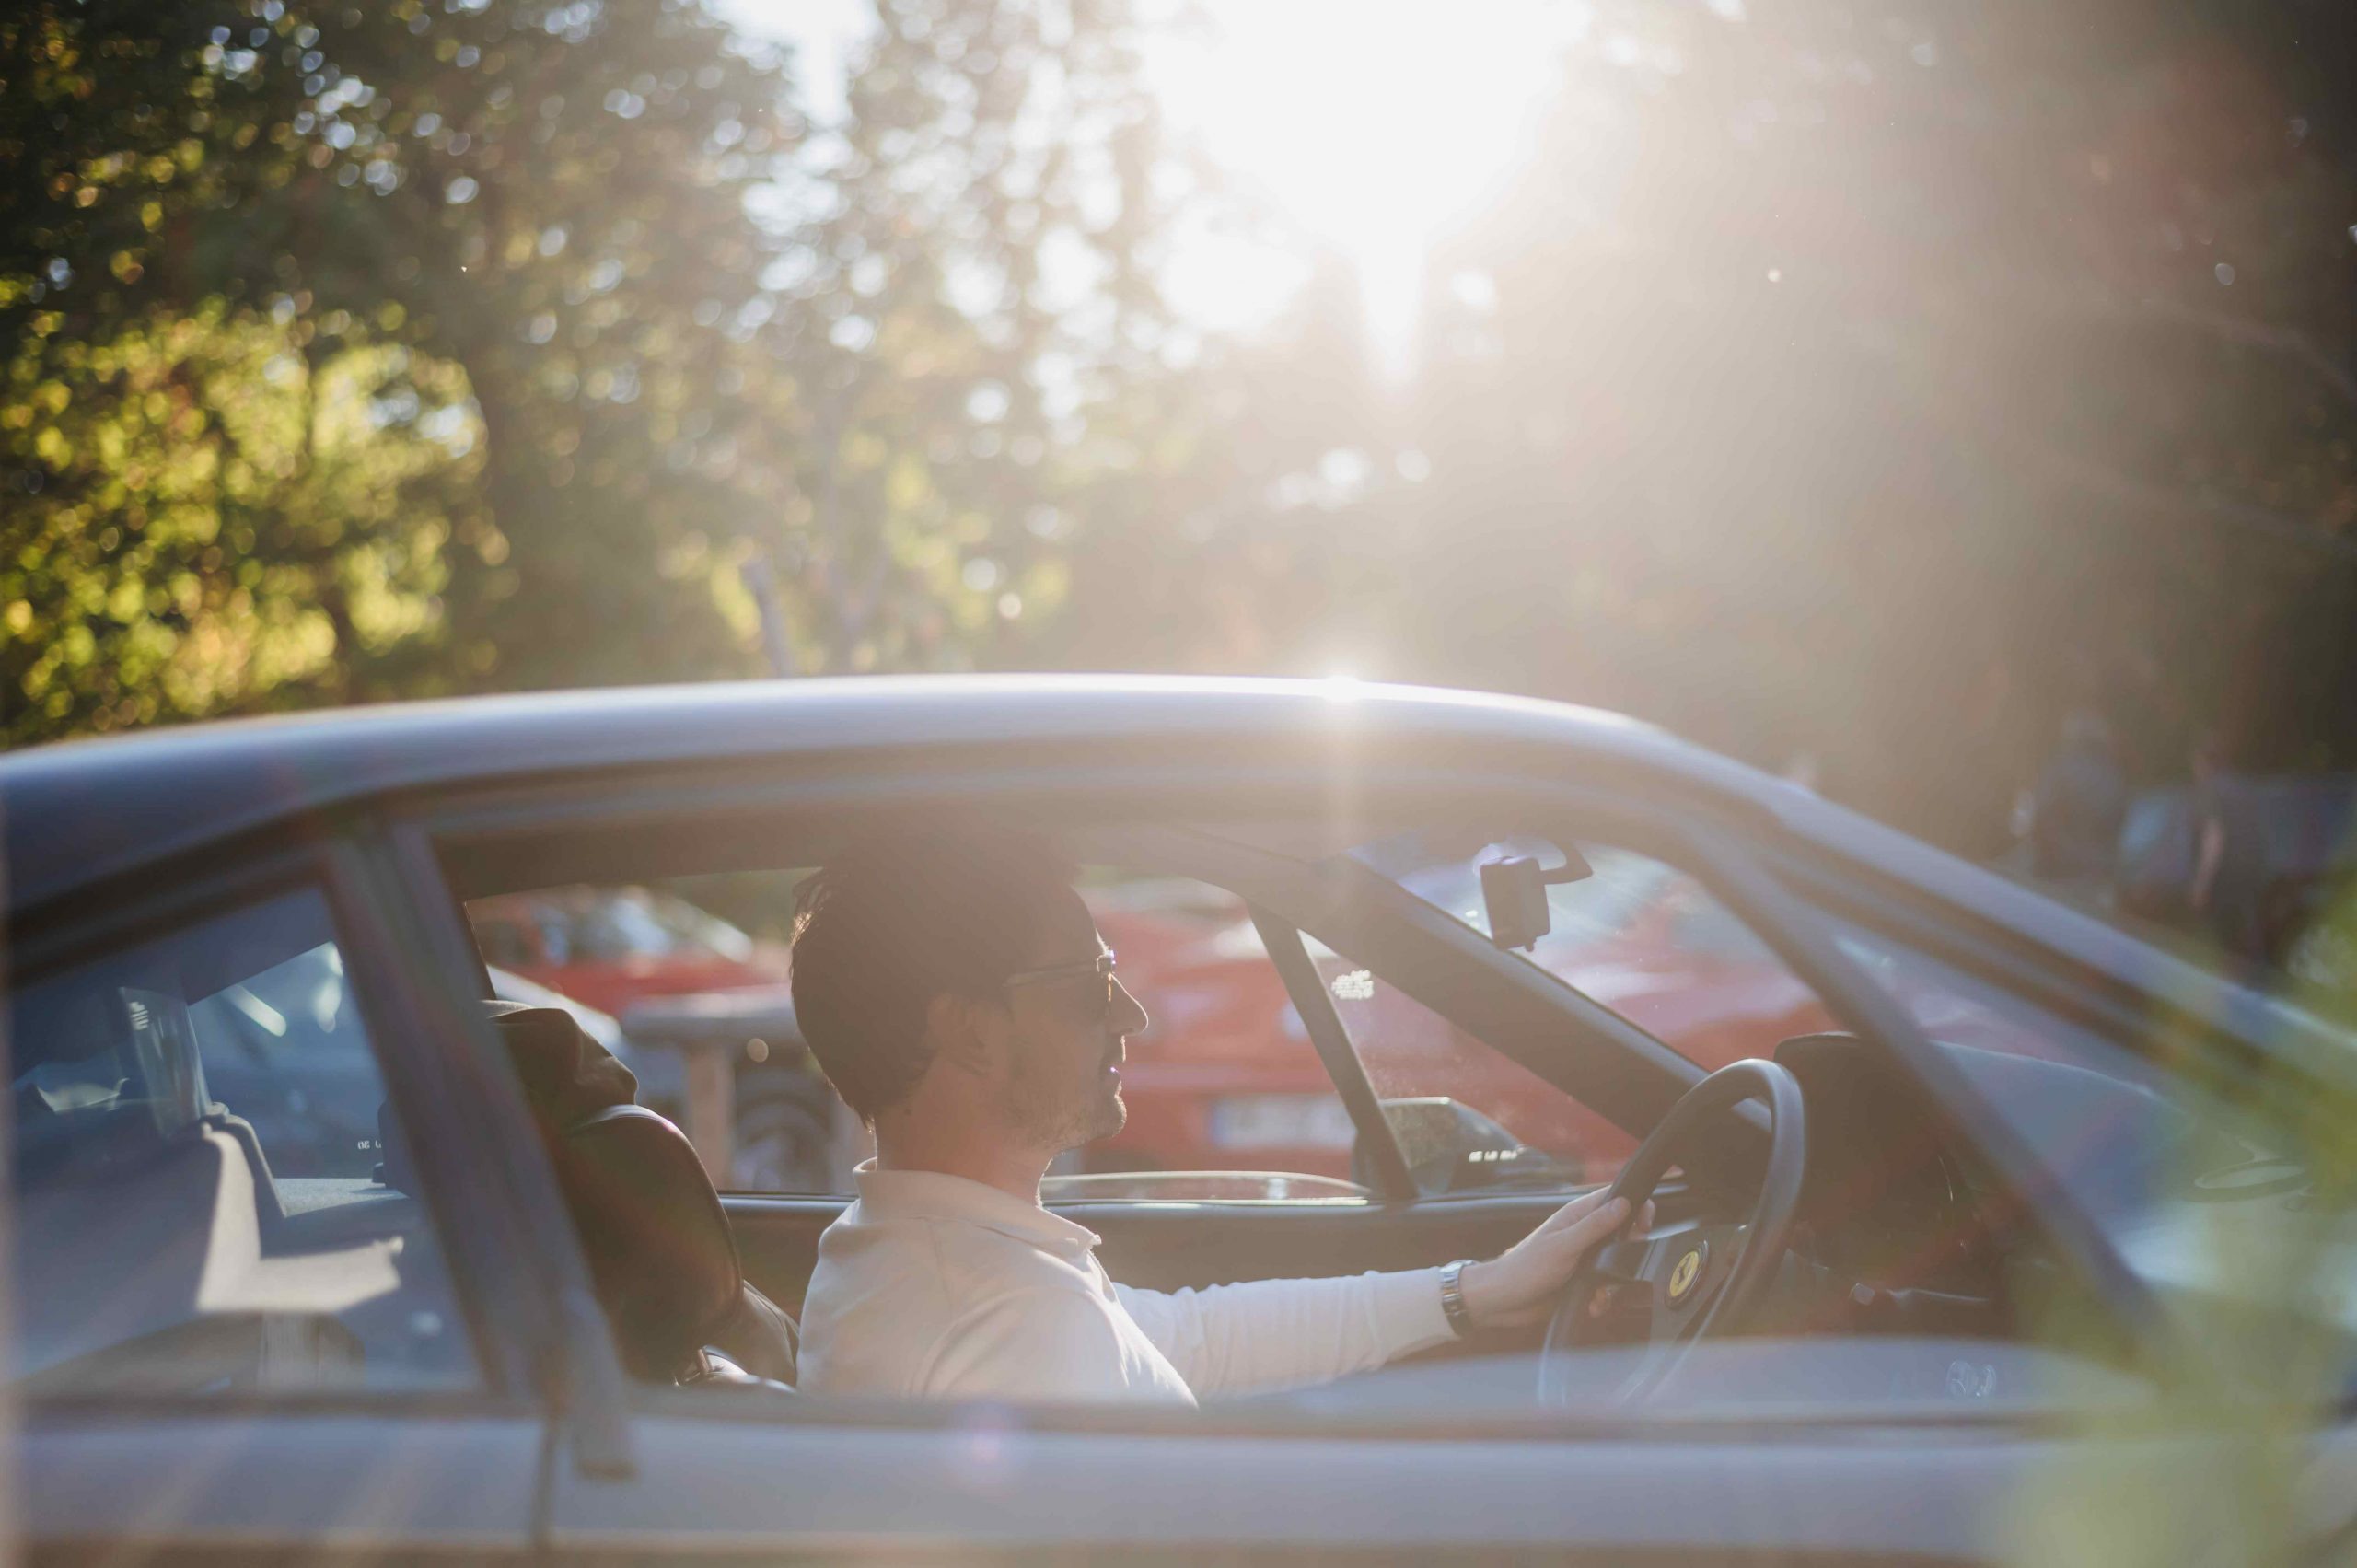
[(1682, 1277)]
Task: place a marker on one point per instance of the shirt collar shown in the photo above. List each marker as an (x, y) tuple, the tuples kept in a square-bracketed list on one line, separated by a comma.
[(932, 1194)]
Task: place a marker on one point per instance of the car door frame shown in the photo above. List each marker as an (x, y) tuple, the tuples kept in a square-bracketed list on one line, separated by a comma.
[(830, 1476), (1702, 841), (269, 1474), (1647, 1075), (624, 801), (1719, 855)]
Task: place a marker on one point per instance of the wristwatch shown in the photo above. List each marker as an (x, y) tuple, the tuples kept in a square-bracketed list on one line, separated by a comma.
[(1452, 1297)]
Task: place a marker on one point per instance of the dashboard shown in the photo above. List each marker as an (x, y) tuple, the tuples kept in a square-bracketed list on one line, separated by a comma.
[(1883, 1201), (1899, 1231), (1902, 1229)]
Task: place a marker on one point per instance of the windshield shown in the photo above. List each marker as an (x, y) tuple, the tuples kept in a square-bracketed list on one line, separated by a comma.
[(1634, 933), (2131, 1140)]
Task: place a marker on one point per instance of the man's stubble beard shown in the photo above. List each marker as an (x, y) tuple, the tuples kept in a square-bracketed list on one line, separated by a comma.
[(1113, 1114), (1049, 1111)]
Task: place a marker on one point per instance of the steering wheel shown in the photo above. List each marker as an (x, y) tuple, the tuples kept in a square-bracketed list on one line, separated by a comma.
[(1691, 1283)]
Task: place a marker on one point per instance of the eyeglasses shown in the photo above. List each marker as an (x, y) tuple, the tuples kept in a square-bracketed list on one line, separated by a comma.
[(1101, 965)]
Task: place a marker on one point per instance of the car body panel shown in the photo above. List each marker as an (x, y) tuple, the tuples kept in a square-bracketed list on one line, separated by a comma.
[(992, 1489), (663, 1474), (256, 1486), (181, 788)]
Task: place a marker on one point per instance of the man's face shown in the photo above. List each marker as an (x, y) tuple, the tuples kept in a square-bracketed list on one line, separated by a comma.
[(1062, 1086)]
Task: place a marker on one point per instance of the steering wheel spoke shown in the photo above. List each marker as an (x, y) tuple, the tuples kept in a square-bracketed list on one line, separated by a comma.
[(1630, 1260)]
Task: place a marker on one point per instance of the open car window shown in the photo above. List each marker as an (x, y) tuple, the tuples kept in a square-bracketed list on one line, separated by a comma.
[(1226, 1097), (1223, 1084), (1225, 1078), (1467, 1117)]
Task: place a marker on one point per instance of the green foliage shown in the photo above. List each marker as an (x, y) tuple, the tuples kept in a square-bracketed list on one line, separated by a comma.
[(1872, 390), (222, 512), (1871, 393), (2255, 1349), (635, 322)]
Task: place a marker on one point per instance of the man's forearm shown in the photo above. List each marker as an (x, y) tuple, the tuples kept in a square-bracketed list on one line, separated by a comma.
[(1286, 1333)]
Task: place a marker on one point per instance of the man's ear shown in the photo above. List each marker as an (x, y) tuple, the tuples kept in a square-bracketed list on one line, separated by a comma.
[(967, 1034)]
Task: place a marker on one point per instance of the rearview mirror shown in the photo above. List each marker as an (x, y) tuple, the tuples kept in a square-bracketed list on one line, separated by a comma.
[(1514, 895)]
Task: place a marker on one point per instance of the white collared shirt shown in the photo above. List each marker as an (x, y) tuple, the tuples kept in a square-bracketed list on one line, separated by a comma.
[(935, 1287)]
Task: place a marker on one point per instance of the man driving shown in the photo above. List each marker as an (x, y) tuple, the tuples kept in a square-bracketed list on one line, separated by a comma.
[(956, 991)]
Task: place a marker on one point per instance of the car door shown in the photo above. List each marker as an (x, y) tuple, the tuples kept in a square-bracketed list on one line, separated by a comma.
[(708, 1474), (1963, 1482), (260, 1310)]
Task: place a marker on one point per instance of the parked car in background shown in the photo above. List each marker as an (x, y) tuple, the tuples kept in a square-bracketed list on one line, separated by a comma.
[(681, 979), (1224, 1075), (789, 1133), (614, 947)]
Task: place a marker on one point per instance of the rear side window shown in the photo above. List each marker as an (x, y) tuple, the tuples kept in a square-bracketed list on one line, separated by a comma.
[(211, 1194)]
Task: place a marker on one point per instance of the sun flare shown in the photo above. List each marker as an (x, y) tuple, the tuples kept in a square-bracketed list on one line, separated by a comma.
[(1364, 129)]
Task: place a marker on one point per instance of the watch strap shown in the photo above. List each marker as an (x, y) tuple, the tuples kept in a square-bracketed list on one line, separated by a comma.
[(1452, 1298)]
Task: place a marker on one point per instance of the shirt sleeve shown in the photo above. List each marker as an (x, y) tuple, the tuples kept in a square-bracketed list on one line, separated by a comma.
[(1283, 1333), (1037, 1346)]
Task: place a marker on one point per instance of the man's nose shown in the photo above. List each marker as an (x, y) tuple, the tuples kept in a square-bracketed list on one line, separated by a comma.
[(1128, 1013)]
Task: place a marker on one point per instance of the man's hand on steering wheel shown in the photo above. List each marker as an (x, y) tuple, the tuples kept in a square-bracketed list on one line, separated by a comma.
[(1523, 1284), (1704, 1280)]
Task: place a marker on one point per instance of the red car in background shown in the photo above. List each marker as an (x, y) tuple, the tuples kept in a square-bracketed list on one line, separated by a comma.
[(1225, 1076), (612, 947)]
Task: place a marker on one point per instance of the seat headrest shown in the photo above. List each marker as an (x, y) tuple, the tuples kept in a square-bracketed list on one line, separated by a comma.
[(565, 1074), (658, 1245)]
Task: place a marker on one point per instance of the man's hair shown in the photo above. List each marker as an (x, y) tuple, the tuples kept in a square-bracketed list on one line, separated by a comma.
[(894, 922)]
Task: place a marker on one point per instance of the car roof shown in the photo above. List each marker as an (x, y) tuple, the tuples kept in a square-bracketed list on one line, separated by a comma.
[(79, 812)]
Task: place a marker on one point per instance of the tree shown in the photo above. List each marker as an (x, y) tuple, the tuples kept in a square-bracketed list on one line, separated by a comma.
[(213, 507), (1868, 388), (678, 329), (224, 512)]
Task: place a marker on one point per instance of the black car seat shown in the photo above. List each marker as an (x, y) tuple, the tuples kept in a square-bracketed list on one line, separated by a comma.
[(661, 1255)]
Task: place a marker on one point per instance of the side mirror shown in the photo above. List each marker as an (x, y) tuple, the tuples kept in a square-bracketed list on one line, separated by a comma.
[(1451, 1147), (1514, 894)]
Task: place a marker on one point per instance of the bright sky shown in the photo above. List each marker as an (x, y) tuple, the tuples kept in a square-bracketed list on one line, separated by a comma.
[(1367, 126)]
